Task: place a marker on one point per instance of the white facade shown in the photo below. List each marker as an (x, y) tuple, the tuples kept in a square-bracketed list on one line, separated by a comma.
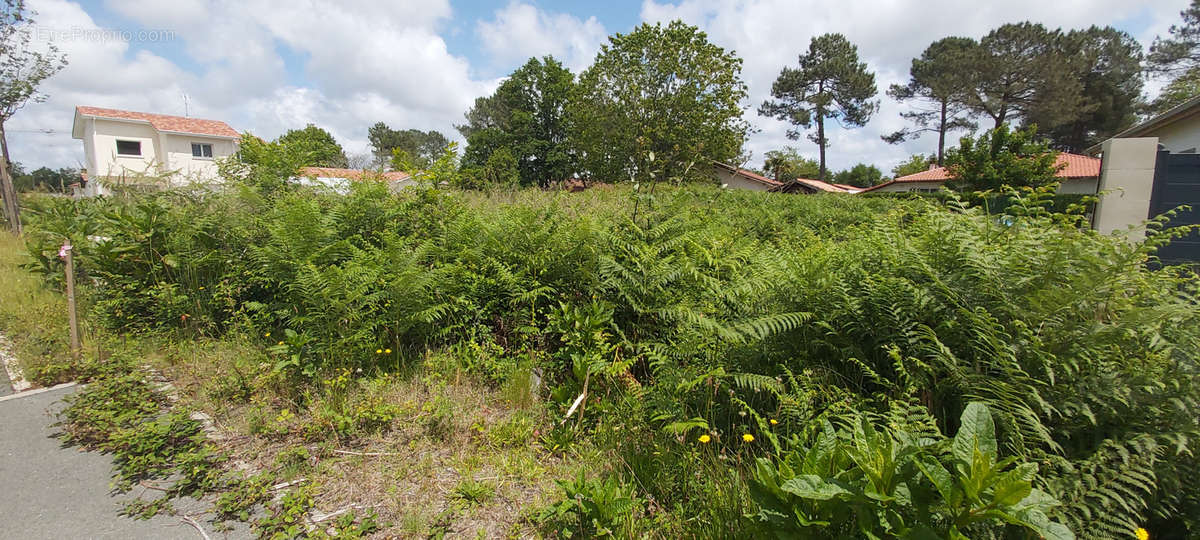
[(134, 151), (734, 178)]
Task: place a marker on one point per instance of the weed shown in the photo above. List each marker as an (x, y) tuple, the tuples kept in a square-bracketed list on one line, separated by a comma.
[(474, 492)]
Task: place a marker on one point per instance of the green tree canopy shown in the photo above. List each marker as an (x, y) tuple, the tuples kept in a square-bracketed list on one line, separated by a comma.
[(314, 147), (658, 103), (1109, 66), (527, 116), (1020, 71), (787, 164), (861, 175), (937, 90), (1179, 53), (1001, 157), (913, 165), (1179, 90), (45, 179), (420, 148), (830, 83)]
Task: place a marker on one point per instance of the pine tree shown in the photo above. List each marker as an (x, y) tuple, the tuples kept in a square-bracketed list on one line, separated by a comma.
[(938, 85), (830, 83), (1018, 71)]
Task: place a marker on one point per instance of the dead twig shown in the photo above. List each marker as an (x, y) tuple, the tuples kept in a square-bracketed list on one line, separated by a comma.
[(195, 525), (369, 454)]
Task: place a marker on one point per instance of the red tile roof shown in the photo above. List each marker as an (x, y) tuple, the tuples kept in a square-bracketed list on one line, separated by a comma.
[(352, 174), (749, 175), (1072, 166), (163, 122), (821, 186)]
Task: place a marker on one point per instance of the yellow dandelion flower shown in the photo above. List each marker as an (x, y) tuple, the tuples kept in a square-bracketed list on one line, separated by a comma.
[(378, 351), (704, 438), (281, 343), (748, 437), (388, 351), (1142, 534), (774, 422), (268, 334)]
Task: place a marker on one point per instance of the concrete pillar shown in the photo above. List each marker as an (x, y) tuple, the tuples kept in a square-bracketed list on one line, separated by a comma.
[(1126, 180)]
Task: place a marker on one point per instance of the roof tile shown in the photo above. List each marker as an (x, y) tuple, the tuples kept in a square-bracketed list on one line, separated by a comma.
[(164, 122)]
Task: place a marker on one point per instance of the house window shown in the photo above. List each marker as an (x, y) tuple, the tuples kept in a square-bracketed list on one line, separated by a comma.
[(202, 150), (129, 148)]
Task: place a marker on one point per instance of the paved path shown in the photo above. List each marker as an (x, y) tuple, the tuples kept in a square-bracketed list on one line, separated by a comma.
[(48, 491)]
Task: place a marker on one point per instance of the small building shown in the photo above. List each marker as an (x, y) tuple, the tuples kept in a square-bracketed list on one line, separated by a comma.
[(809, 186), (339, 179), (1077, 175), (127, 147), (735, 178), (1177, 129)]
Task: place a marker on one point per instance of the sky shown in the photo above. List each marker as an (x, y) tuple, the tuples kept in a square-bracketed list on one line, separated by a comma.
[(266, 66)]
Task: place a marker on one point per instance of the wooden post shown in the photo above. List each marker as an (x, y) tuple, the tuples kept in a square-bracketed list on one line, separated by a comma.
[(70, 259)]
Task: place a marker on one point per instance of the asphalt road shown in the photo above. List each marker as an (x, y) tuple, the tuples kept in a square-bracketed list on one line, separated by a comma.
[(51, 491)]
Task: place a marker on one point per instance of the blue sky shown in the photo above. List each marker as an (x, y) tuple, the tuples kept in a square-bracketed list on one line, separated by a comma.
[(266, 66)]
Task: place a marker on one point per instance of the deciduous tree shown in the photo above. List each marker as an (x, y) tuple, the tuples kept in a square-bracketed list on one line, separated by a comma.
[(1001, 157), (937, 90), (658, 103), (913, 165), (527, 116), (829, 84), (860, 175), (22, 69), (314, 146)]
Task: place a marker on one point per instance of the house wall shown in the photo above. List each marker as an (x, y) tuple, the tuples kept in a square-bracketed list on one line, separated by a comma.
[(1181, 136), (1126, 180), (179, 159), (103, 152), (1079, 186), (161, 152), (735, 181)]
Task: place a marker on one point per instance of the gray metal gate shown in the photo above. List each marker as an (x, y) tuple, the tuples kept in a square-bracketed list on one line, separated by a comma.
[(1177, 183)]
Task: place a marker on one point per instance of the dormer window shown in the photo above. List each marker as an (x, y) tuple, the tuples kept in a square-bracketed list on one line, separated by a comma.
[(129, 148), (202, 150)]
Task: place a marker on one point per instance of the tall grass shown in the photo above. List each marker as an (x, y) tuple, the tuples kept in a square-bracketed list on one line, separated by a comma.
[(33, 316)]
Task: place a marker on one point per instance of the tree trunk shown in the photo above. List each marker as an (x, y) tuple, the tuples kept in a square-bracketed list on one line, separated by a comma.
[(821, 143), (12, 209), (942, 135)]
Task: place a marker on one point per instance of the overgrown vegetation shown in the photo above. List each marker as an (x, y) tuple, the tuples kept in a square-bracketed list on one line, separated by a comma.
[(717, 364)]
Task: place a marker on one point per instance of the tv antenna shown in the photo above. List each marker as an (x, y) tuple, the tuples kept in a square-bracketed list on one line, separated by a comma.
[(185, 104)]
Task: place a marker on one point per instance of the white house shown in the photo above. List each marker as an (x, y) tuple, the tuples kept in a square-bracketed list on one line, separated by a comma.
[(145, 148), (1077, 174), (339, 179)]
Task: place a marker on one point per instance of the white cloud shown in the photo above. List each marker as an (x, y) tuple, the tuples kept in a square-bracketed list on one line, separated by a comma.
[(360, 62), (269, 65), (520, 31), (769, 34)]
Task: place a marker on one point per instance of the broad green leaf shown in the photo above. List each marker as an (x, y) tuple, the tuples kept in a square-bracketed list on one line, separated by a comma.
[(1011, 488), (977, 432), (937, 474), (811, 486)]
